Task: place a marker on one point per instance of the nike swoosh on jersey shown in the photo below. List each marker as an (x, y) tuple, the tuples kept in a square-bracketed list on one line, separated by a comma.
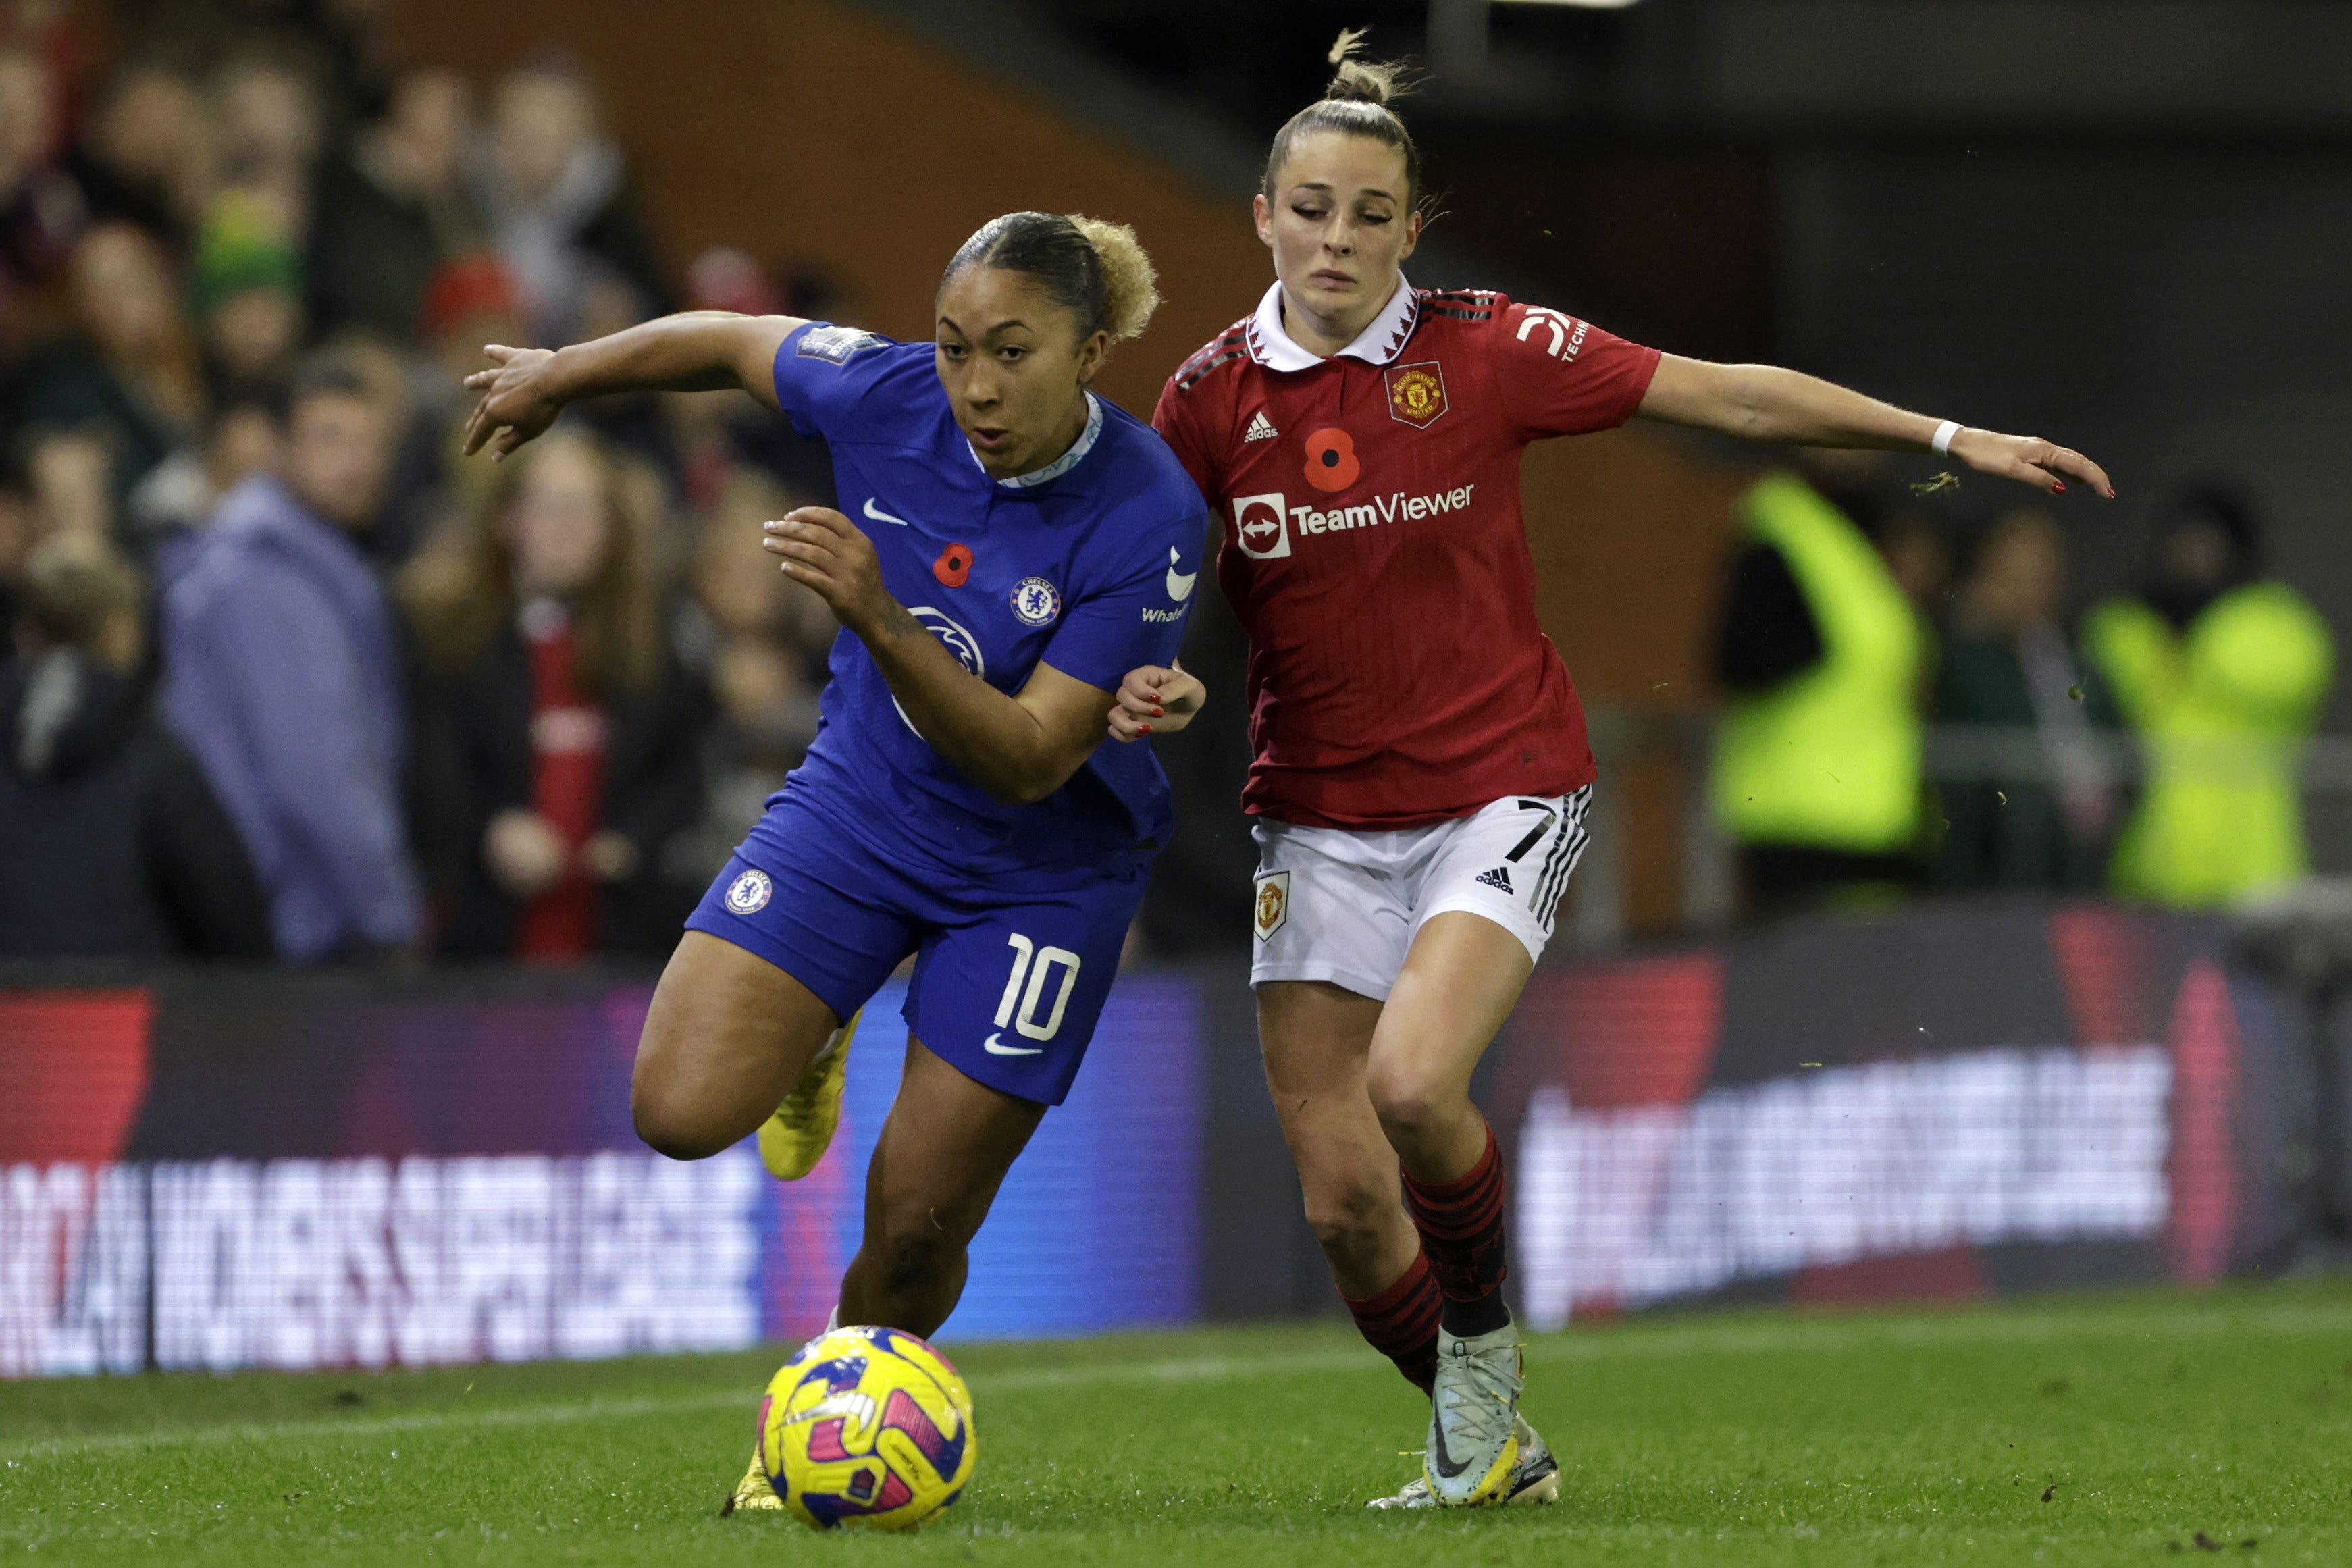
[(993, 1049), (1180, 584), (879, 515)]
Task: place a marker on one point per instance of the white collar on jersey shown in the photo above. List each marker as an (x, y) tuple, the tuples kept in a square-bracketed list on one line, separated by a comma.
[(1377, 343), (1061, 465)]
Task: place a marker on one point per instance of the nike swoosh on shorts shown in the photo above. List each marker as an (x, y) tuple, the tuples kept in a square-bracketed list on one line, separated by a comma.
[(880, 516), (993, 1049)]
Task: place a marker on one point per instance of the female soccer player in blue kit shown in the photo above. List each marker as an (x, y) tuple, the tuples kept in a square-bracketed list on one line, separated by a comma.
[(1012, 546)]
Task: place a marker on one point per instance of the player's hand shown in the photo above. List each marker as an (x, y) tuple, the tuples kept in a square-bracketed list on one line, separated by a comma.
[(523, 853), (827, 552), (1155, 700), (519, 400), (2028, 460)]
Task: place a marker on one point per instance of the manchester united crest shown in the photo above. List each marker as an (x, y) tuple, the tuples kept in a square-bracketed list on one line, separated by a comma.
[(1273, 903), (1417, 394)]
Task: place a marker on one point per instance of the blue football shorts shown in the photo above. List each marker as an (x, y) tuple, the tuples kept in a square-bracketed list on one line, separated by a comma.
[(1007, 987)]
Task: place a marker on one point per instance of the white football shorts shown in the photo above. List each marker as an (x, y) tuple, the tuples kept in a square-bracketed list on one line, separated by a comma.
[(1344, 907)]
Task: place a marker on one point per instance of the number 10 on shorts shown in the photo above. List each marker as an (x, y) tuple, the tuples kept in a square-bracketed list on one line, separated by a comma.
[(1036, 965)]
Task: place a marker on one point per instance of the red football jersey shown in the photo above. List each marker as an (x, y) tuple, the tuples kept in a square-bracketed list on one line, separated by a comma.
[(1374, 550)]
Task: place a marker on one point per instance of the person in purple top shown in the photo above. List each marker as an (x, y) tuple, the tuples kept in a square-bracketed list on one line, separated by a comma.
[(282, 676)]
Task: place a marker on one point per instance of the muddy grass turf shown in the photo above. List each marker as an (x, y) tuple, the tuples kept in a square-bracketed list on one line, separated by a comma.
[(2122, 1428)]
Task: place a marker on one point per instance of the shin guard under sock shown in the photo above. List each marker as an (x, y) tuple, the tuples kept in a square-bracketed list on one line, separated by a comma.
[(1401, 1322), (1461, 1225)]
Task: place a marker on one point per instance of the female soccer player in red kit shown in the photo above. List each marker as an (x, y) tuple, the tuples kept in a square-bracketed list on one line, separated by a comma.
[(1422, 772)]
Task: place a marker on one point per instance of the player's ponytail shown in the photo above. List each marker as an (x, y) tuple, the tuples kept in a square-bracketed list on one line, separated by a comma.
[(1097, 269), (1355, 104)]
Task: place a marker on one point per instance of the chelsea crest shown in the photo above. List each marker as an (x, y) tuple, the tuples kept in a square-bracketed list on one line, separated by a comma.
[(1037, 601)]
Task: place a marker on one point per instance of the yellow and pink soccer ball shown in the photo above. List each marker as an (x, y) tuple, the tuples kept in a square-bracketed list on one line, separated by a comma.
[(867, 1426)]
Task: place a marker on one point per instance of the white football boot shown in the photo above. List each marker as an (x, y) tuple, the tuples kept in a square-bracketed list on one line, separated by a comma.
[(1473, 1444), (1537, 1481)]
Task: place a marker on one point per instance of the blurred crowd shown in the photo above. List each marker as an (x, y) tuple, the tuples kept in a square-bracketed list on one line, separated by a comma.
[(1917, 702), (285, 675)]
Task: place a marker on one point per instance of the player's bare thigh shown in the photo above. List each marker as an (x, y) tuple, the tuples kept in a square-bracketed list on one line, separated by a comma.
[(1317, 1039), (1460, 979), (725, 1039)]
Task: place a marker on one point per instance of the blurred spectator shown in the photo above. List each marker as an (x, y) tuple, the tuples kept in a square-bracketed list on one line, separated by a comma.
[(282, 676), (17, 535), (765, 643), (707, 434), (394, 211), (247, 286), (2221, 675), (270, 136), (112, 843), (554, 193), (469, 303), (1816, 769), (1918, 555), (41, 209), (134, 375), (180, 494), (562, 756), (2008, 674), (146, 157), (411, 495), (71, 476)]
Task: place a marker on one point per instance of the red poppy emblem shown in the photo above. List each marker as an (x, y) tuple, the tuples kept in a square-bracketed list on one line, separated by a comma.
[(954, 566), (1331, 462)]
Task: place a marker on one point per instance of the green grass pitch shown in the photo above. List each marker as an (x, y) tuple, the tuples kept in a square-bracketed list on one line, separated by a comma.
[(2120, 1428)]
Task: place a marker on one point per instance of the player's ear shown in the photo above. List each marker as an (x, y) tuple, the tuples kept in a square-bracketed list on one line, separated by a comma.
[(1262, 214), (1091, 354), (1411, 233)]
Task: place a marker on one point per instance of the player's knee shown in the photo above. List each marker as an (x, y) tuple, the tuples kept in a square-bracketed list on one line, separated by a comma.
[(1410, 1101), (668, 1126), (1346, 1216), (914, 1247)]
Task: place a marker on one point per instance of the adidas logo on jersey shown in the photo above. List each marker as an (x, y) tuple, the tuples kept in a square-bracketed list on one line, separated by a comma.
[(1498, 878), (1261, 428)]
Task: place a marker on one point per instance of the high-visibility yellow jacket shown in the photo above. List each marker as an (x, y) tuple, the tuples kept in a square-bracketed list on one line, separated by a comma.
[(1829, 758), (2221, 712)]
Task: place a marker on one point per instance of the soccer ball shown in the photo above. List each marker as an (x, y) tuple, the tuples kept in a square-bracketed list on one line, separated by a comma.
[(867, 1427)]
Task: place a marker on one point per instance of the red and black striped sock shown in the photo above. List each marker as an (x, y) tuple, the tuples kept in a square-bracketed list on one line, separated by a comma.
[(1401, 1322), (1461, 1224)]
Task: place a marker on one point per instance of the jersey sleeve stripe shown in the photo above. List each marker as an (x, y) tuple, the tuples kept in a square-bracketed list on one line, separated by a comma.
[(1199, 368), (1216, 351)]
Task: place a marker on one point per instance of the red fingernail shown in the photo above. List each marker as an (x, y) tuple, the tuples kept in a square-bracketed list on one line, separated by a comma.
[(2059, 489), (1159, 713), (1143, 729)]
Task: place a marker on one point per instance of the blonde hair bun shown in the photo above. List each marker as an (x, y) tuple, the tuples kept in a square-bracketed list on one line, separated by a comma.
[(1130, 283)]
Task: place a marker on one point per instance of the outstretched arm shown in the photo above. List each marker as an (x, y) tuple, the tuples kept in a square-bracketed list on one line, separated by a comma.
[(1018, 748), (1765, 402), (698, 350)]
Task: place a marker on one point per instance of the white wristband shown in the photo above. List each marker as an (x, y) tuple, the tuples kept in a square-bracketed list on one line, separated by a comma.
[(1942, 439)]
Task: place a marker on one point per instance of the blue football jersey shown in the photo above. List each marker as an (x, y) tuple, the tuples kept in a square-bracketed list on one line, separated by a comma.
[(1087, 564)]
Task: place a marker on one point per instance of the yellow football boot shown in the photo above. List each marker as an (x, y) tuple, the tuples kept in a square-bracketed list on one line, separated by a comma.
[(795, 1138), (751, 1491)]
